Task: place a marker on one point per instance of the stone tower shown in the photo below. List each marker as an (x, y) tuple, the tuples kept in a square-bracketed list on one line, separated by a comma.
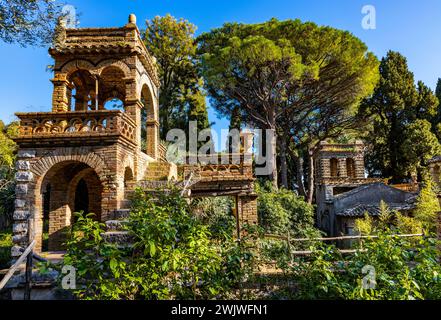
[(84, 154), (339, 168)]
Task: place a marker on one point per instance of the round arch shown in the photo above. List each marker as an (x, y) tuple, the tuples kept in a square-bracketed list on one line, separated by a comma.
[(63, 180)]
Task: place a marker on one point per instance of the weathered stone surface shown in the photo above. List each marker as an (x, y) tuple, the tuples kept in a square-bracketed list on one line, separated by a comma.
[(21, 189), (19, 238), (26, 153), (19, 203), (20, 227), (23, 165), (21, 215), (24, 176), (16, 251)]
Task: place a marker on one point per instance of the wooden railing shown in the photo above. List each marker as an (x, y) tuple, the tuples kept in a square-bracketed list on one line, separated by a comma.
[(289, 241), (76, 124)]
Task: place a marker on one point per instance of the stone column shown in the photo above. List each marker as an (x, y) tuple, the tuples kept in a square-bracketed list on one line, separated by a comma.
[(22, 214), (60, 95), (341, 169), (152, 138), (247, 209)]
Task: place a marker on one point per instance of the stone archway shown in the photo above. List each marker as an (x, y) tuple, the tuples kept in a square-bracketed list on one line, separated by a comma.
[(63, 184)]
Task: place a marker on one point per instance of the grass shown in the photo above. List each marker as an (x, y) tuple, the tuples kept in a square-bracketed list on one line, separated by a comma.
[(5, 248)]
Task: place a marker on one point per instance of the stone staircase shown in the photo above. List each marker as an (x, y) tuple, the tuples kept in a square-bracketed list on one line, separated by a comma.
[(159, 177)]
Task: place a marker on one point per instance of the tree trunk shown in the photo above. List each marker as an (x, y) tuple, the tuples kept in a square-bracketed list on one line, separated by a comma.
[(310, 196), (283, 163), (273, 147), (299, 175)]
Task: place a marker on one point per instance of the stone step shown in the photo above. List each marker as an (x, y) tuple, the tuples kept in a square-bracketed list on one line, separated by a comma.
[(125, 204), (115, 225), (121, 214), (117, 237)]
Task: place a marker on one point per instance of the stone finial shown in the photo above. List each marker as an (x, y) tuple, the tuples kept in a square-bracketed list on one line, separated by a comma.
[(132, 18)]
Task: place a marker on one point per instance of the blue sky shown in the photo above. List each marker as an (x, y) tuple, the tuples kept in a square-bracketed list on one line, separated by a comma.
[(410, 27)]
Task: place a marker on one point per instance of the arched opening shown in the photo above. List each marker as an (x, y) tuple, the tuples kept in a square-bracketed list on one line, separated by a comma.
[(112, 89), (83, 91), (68, 187), (128, 177), (114, 104), (46, 211), (334, 167), (81, 198), (350, 167), (149, 124)]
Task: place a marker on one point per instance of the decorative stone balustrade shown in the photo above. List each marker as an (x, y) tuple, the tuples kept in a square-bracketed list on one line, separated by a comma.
[(76, 124), (222, 167), (347, 181)]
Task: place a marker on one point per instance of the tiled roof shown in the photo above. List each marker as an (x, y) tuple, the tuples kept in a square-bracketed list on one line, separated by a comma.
[(374, 210), (435, 159)]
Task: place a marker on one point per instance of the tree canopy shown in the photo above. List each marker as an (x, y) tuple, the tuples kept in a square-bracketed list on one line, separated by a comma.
[(181, 98), (299, 79), (401, 135), (28, 22)]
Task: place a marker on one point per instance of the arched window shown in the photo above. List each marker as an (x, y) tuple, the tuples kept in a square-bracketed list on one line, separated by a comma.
[(334, 167), (114, 104), (128, 177), (350, 167), (82, 95)]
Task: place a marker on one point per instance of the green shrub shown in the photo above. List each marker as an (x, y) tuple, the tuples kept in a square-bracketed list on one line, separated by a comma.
[(173, 255), (5, 248), (283, 211), (217, 214), (405, 268)]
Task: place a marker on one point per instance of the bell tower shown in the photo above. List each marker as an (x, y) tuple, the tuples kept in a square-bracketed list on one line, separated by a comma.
[(339, 168), (86, 152)]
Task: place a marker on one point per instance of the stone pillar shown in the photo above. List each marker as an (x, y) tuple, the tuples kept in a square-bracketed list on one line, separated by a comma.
[(152, 138), (325, 168), (22, 214), (341, 169), (60, 95), (247, 209)]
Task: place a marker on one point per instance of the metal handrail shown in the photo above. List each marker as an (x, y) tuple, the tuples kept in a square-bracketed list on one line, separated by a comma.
[(15, 266)]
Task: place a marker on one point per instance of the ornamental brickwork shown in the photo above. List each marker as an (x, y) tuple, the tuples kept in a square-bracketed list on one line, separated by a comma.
[(86, 155)]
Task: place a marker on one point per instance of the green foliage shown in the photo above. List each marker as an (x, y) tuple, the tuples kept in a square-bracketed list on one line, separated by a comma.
[(402, 121), (181, 99), (5, 248), (283, 211), (404, 269), (420, 145), (7, 172), (299, 79), (173, 255), (217, 214), (427, 207), (28, 22)]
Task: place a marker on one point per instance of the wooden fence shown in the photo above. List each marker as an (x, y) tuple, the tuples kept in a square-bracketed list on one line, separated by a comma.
[(289, 241)]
